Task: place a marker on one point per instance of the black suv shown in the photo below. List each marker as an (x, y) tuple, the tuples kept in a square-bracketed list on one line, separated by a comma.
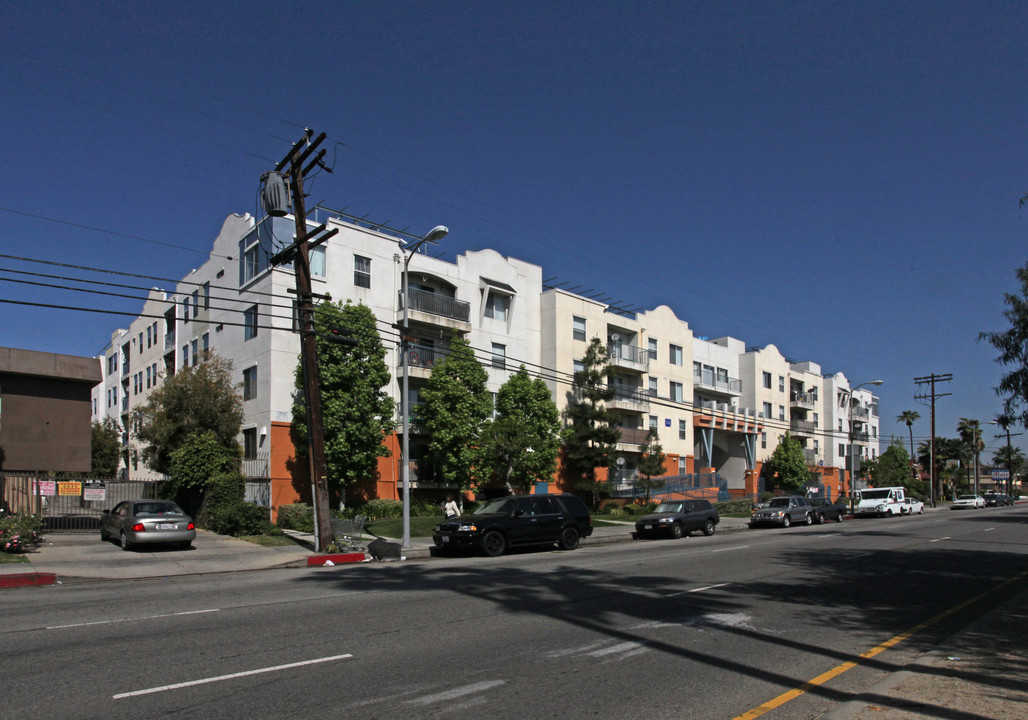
[(518, 520), (676, 518)]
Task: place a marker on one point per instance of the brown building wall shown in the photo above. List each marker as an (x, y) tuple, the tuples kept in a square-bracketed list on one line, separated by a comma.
[(46, 410)]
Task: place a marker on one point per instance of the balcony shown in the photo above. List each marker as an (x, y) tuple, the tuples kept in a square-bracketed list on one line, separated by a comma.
[(810, 456), (859, 437), (414, 419), (722, 416), (707, 380), (803, 401), (422, 358), (633, 438), (628, 357), (630, 400), (802, 427), (169, 342), (860, 414), (436, 308)]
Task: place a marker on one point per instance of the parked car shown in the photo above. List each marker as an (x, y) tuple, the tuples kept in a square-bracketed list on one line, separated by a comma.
[(965, 502), (783, 511), (912, 506), (678, 518), (518, 520), (142, 522), (997, 499), (825, 510)]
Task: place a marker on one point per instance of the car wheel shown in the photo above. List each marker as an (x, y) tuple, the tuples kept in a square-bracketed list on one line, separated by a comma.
[(568, 539), (676, 531), (709, 527), (125, 544), (786, 521), (185, 544), (493, 543), (819, 519), (808, 519), (838, 518)]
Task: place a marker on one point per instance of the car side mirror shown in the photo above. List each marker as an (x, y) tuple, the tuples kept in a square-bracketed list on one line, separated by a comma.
[(106, 512)]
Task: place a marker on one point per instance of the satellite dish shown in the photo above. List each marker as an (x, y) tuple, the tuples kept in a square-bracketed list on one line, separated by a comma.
[(615, 337), (621, 461)]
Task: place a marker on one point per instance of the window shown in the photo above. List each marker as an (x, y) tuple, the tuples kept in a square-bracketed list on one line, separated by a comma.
[(147, 377), (361, 271), (653, 422), (206, 296), (154, 374), (578, 366), (149, 336), (250, 444), (653, 348), (250, 383), (781, 383), (499, 356), (817, 447), (653, 387), (316, 260), (196, 351), (206, 344), (251, 262), (767, 410), (185, 356), (577, 328), (196, 303), (781, 412), (140, 341), (675, 354), (185, 309), (842, 450), (676, 392), (112, 364), (767, 380), (497, 306), (722, 375), (763, 441), (250, 323), (681, 429), (815, 420)]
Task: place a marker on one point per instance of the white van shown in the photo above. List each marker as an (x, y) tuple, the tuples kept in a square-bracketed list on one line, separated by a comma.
[(881, 502)]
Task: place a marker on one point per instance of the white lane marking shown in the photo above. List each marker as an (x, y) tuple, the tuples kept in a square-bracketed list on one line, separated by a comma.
[(121, 620), (619, 648), (989, 529), (456, 692), (737, 547), (939, 539), (232, 676), (699, 589)]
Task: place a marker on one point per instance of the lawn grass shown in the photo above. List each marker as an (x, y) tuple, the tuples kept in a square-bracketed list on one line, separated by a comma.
[(11, 558), (270, 540)]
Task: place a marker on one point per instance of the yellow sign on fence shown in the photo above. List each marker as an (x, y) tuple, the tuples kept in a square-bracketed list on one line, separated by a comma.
[(69, 488)]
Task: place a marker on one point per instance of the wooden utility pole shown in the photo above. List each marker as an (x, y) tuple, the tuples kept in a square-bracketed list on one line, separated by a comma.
[(921, 395), (292, 166)]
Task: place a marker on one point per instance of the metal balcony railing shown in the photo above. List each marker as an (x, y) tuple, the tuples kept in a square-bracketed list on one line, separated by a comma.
[(621, 355), (805, 401), (169, 341), (437, 304), (709, 380), (424, 356), (634, 436), (805, 427), (861, 413)]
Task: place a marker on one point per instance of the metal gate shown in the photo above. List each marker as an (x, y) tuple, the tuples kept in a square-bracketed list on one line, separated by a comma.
[(67, 505)]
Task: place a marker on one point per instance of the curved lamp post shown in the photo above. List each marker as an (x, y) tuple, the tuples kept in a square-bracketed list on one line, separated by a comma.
[(434, 235)]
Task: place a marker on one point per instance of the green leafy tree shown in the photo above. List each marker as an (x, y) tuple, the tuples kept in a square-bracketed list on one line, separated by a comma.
[(971, 436), (950, 455), (356, 410), (520, 447), (651, 463), (197, 399), (1012, 345), (787, 467), (456, 406), (1009, 457), (593, 437), (106, 448), (200, 458), (892, 469), (909, 417)]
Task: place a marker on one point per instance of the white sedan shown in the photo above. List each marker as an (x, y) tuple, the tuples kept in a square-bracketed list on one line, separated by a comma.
[(912, 506), (965, 502)]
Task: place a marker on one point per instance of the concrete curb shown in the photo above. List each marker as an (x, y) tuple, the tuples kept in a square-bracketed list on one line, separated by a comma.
[(27, 579)]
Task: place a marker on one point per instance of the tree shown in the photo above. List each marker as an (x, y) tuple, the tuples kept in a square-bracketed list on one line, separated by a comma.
[(651, 463), (193, 400), (106, 448), (787, 466), (455, 408), (193, 464), (1009, 457), (891, 469), (910, 417), (971, 436), (356, 411), (1012, 345), (950, 453), (592, 440), (520, 446)]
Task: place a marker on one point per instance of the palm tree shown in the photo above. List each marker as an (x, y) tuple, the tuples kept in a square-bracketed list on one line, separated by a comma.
[(971, 435), (910, 417)]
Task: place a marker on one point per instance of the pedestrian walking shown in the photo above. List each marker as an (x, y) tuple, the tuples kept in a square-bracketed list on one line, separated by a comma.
[(450, 508)]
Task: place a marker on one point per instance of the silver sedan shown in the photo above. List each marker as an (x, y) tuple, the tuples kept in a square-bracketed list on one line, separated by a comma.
[(138, 522)]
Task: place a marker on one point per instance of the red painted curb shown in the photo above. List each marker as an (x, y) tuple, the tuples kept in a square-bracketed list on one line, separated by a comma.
[(27, 579), (336, 559)]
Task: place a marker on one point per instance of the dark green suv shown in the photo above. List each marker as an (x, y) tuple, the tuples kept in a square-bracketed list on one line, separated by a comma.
[(517, 520)]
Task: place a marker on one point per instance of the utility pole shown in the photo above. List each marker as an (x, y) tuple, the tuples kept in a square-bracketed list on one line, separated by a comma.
[(921, 395), (1004, 422), (293, 170)]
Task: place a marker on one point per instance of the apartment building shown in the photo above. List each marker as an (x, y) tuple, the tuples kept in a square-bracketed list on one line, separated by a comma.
[(851, 414)]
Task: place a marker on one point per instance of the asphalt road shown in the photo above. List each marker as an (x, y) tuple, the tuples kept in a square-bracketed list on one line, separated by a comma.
[(699, 628)]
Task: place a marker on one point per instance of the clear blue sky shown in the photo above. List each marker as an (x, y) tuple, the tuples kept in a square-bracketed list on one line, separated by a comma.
[(840, 179)]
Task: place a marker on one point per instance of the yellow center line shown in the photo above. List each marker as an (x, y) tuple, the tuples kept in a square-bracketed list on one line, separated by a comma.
[(850, 664)]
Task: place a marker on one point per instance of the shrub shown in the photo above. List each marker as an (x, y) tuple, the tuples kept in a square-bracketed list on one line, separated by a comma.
[(19, 532), (424, 508), (298, 516), (739, 505), (241, 518), (381, 509)]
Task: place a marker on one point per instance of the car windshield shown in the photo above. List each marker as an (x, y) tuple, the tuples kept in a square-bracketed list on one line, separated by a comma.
[(779, 502), (874, 494), (156, 508), (966, 497), (669, 507), (502, 506)]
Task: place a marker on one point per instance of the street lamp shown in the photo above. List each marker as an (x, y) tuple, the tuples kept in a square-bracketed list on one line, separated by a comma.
[(434, 235), (852, 456)]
